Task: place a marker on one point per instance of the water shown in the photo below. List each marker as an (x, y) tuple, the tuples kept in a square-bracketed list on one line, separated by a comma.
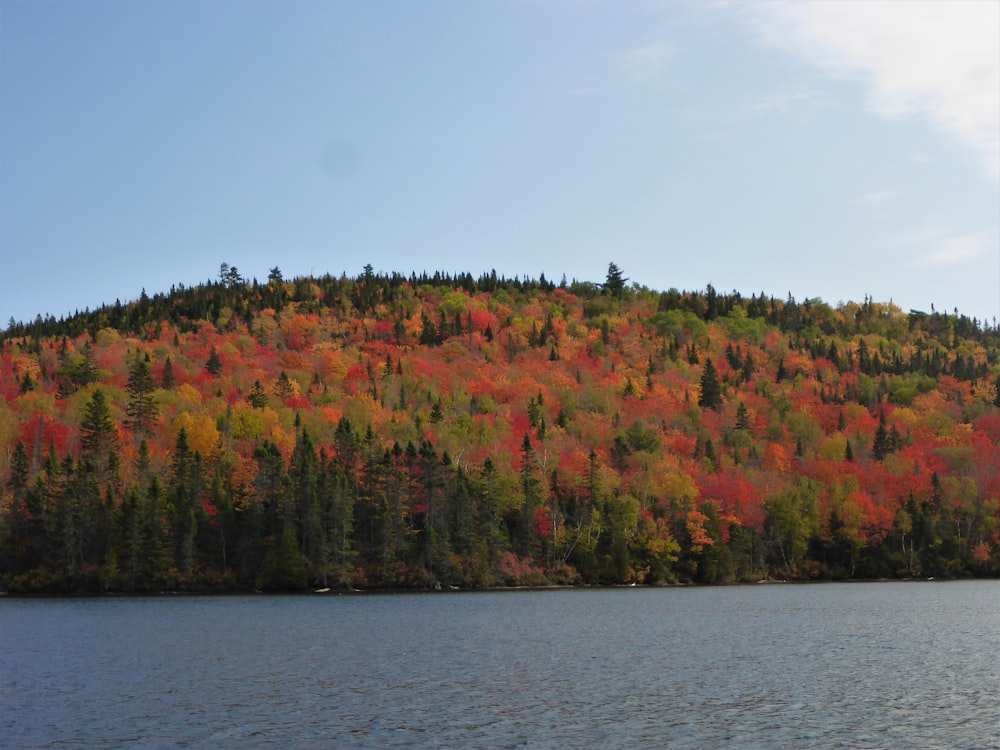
[(822, 666)]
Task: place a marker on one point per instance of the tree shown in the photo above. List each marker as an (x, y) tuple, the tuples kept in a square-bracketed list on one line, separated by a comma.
[(183, 494), (614, 285), (214, 364), (880, 443), (141, 411), (257, 396), (742, 417), (230, 276), (711, 392), (98, 434)]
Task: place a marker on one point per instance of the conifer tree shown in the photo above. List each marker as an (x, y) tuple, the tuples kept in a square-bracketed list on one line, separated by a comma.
[(742, 417), (98, 435), (214, 364), (880, 443), (711, 392), (614, 285), (257, 396), (141, 411), (168, 380)]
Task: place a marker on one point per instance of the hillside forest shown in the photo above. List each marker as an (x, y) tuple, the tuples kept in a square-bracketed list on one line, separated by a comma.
[(392, 431)]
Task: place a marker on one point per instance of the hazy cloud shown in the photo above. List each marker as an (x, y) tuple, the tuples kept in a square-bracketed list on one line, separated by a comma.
[(648, 62), (930, 58), (953, 250)]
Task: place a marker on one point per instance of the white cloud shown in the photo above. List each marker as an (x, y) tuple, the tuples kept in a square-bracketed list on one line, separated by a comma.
[(931, 58), (648, 62), (952, 250)]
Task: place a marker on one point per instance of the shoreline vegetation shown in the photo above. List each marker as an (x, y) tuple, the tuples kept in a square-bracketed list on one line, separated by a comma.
[(445, 432), (327, 591)]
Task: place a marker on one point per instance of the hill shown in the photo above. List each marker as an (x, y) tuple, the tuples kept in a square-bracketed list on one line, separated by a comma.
[(446, 430)]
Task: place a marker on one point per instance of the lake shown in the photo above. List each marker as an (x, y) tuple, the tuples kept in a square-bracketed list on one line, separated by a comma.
[(859, 665)]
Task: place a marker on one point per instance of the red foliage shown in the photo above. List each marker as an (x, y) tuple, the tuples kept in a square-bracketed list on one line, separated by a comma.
[(736, 496), (989, 424), (42, 431)]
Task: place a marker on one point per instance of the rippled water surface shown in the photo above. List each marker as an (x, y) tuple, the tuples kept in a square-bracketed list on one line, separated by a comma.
[(879, 665)]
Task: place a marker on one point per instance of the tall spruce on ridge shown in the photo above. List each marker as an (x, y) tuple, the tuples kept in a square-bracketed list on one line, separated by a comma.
[(614, 285)]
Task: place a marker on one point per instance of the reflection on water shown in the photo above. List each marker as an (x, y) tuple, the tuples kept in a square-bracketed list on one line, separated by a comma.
[(832, 666)]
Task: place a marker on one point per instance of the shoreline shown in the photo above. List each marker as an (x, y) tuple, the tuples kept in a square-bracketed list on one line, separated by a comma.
[(444, 590)]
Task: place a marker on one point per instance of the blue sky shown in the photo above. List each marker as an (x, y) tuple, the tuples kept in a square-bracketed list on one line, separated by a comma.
[(830, 150)]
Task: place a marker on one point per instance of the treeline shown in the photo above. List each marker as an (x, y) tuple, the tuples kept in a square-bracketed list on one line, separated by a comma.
[(233, 297), (445, 430), (364, 516)]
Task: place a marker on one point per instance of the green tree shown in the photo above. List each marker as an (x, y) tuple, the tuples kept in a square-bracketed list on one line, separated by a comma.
[(141, 411), (614, 285), (214, 364), (257, 396), (184, 498), (168, 379), (99, 435), (742, 417), (880, 443), (711, 392)]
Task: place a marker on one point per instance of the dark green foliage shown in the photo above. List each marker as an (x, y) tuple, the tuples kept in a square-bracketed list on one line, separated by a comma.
[(880, 443), (614, 285), (141, 409), (214, 364), (257, 396), (710, 396), (98, 435)]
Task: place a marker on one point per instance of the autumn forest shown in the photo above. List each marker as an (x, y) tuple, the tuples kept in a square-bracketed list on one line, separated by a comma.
[(435, 431)]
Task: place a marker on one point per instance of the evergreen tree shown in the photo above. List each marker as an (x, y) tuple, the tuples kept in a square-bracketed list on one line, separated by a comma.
[(711, 392), (257, 396), (742, 417), (141, 411), (98, 435), (168, 380), (880, 443), (614, 285), (781, 373), (283, 388), (214, 365)]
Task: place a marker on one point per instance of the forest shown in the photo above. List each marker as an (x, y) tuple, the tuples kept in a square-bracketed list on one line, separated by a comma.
[(433, 431)]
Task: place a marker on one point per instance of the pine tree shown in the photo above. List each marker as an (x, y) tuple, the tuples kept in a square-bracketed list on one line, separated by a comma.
[(711, 392), (214, 364), (168, 380), (614, 285), (781, 373), (742, 417), (257, 396), (880, 443), (98, 435), (141, 411)]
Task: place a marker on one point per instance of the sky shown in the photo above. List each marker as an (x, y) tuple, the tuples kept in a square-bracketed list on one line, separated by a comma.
[(830, 150)]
